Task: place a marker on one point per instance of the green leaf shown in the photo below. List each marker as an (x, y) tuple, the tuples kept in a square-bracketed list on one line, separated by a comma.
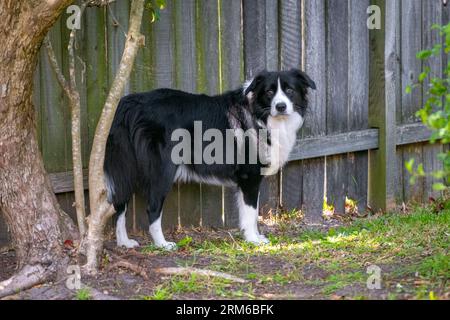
[(184, 242), (409, 165), (408, 89), (424, 54), (420, 170), (422, 76), (161, 4), (439, 186)]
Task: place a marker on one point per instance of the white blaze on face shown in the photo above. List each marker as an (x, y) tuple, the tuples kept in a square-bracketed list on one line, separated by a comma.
[(281, 97)]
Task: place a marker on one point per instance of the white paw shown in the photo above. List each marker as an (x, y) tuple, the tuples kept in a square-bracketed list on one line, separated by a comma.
[(169, 246), (256, 239), (128, 243), (263, 239)]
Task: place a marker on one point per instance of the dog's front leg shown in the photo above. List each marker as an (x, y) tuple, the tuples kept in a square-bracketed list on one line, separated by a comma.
[(248, 215)]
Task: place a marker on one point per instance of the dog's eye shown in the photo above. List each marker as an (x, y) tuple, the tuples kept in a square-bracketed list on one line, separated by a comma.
[(270, 93), (289, 91)]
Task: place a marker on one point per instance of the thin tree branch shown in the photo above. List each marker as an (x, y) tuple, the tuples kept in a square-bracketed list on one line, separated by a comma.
[(56, 69), (76, 134)]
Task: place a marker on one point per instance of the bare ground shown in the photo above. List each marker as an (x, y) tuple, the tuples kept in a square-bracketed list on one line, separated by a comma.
[(268, 274)]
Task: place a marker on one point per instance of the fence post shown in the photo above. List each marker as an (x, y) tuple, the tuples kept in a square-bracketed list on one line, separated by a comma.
[(383, 94)]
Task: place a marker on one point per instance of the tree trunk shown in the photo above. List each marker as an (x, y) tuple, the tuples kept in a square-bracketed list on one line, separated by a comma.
[(38, 226)]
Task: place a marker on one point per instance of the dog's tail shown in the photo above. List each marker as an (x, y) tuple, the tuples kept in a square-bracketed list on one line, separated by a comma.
[(120, 166)]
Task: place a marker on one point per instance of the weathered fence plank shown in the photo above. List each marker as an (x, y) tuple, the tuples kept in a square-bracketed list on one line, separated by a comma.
[(256, 38), (232, 71), (54, 112), (358, 98), (431, 14), (383, 97), (315, 123), (291, 57), (337, 110), (208, 63), (411, 68)]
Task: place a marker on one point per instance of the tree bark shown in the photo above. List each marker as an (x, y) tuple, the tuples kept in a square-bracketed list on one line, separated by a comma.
[(38, 225)]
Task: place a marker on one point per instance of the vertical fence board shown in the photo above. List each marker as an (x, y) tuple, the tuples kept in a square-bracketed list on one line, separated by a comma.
[(291, 57), (96, 66), (358, 75), (411, 68), (163, 44), (232, 76), (53, 130), (383, 98), (432, 14), (254, 25), (337, 39), (117, 27), (315, 122), (208, 59), (255, 59)]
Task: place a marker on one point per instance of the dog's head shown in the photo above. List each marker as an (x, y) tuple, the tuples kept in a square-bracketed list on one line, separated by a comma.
[(278, 94)]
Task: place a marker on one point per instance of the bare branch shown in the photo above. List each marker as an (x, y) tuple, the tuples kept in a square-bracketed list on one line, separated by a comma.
[(54, 63), (76, 135)]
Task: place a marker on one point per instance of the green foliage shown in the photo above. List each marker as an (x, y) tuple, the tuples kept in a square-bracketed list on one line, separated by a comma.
[(185, 242), (435, 113), (155, 7), (83, 294)]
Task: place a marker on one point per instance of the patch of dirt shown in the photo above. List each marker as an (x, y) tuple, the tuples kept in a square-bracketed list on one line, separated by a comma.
[(7, 264), (299, 280)]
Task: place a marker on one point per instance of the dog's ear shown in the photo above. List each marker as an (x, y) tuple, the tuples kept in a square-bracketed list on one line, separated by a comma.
[(251, 85), (304, 78)]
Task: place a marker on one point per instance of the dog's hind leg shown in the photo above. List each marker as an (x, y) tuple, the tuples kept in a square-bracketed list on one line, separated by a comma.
[(158, 190), (121, 230), (156, 233)]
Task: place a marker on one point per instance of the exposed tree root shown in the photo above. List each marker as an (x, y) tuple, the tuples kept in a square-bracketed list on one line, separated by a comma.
[(27, 277), (128, 265), (200, 272)]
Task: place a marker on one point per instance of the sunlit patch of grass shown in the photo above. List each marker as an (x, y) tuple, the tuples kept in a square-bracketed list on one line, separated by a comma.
[(415, 244), (160, 293), (341, 280), (203, 286), (152, 249), (280, 278)]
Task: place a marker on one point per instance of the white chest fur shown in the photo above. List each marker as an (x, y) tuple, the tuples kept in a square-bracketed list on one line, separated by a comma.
[(283, 134)]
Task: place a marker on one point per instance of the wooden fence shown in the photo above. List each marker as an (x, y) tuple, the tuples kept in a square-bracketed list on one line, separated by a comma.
[(359, 107)]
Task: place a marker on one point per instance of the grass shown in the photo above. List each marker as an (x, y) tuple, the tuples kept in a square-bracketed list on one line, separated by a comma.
[(83, 294), (182, 286), (410, 249)]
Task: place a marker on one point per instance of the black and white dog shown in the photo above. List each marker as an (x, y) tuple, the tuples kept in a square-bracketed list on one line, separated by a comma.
[(140, 149)]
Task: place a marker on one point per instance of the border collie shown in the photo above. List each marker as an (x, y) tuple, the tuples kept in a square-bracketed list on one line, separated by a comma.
[(139, 150)]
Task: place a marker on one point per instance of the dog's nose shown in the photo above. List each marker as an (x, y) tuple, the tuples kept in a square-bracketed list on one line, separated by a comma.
[(281, 107)]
